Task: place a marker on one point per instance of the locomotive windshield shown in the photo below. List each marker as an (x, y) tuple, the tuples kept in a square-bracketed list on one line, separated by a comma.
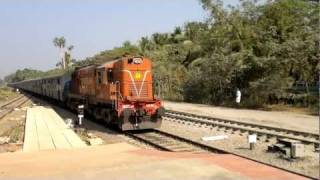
[(136, 60)]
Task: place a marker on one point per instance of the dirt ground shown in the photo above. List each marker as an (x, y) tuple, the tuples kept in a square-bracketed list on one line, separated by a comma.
[(6, 94), (283, 119)]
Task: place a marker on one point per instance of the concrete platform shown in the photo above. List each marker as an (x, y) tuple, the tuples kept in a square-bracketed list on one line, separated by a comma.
[(45, 130), (123, 161)]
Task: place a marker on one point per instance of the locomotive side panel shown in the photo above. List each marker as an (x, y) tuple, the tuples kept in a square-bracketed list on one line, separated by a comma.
[(87, 81), (106, 86)]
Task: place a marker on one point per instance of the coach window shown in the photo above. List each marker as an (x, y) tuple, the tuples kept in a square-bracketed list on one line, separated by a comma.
[(99, 77), (110, 75)]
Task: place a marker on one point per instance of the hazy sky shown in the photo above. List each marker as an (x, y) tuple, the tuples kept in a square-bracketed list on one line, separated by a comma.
[(27, 28)]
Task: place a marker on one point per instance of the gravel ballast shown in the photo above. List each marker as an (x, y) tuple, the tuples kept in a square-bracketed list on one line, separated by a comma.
[(237, 143)]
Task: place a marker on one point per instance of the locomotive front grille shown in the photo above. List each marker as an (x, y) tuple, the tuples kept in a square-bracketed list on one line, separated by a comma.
[(141, 90)]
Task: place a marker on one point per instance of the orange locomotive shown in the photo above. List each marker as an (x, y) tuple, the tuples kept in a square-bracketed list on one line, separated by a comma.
[(118, 92)]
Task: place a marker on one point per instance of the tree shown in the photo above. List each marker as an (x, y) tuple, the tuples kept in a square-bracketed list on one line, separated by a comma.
[(160, 38), (65, 53), (145, 45), (60, 42)]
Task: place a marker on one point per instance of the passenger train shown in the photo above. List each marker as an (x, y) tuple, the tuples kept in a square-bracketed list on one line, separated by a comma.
[(118, 92)]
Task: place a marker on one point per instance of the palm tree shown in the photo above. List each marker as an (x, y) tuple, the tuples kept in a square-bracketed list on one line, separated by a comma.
[(60, 42), (67, 56)]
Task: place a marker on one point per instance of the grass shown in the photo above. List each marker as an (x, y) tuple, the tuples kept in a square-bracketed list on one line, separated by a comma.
[(6, 93), (290, 108), (16, 134)]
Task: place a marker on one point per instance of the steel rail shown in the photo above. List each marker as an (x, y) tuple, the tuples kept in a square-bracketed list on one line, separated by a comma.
[(5, 112), (10, 101), (260, 130)]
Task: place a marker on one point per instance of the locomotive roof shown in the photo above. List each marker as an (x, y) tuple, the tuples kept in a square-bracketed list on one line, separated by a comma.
[(86, 67), (109, 62), (116, 60)]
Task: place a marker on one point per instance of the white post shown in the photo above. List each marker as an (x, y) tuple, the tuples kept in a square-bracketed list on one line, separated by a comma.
[(80, 114), (252, 139), (238, 96), (80, 119)]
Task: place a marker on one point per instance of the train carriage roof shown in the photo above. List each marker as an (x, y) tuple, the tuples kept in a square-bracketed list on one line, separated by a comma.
[(44, 78)]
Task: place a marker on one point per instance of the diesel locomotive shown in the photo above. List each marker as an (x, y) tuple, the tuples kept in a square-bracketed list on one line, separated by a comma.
[(117, 92)]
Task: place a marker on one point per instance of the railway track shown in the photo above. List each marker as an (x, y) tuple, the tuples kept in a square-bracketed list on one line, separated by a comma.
[(262, 131), (8, 107), (10, 102), (166, 142)]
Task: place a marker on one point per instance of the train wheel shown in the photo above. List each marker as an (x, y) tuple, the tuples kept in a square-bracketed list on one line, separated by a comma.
[(97, 113), (107, 117)]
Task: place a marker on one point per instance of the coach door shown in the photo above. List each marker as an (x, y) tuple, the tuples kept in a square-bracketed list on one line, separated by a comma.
[(100, 83), (111, 85)]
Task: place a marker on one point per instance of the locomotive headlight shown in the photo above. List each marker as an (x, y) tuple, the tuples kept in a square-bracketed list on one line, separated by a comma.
[(150, 105), (137, 75), (124, 106)]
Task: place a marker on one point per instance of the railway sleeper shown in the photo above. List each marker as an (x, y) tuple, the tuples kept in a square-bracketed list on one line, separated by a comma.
[(272, 129), (255, 130)]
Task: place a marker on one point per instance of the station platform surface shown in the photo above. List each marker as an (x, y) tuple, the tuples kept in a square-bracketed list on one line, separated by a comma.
[(46, 130), (124, 161)]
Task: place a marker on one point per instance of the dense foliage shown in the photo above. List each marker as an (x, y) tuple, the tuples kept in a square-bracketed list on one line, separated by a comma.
[(263, 49)]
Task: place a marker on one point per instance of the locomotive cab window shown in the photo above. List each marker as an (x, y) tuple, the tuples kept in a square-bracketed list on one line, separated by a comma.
[(110, 75), (136, 60)]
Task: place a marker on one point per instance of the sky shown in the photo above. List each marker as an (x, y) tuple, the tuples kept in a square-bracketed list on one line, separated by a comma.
[(27, 28)]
